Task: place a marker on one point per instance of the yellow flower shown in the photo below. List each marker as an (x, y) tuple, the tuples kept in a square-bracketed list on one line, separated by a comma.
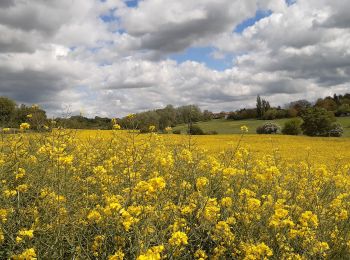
[(94, 216), (3, 215), (24, 126), (201, 183), (119, 255), (200, 254), (28, 254), (130, 116), (307, 218), (152, 253), (256, 251), (26, 233), (128, 220), (157, 183), (22, 188), (2, 237), (226, 202), (178, 239), (29, 116), (20, 173), (10, 193), (116, 127), (211, 210), (244, 129)]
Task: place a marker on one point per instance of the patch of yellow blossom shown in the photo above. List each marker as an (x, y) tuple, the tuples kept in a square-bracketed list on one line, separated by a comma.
[(24, 126), (124, 195), (178, 239), (153, 253), (28, 254)]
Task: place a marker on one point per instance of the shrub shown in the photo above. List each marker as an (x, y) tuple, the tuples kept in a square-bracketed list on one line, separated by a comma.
[(317, 122), (195, 130), (177, 132), (292, 127), (337, 130), (268, 128)]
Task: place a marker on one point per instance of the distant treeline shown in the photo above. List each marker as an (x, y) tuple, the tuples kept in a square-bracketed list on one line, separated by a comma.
[(339, 105), (81, 122), (169, 116), (12, 115)]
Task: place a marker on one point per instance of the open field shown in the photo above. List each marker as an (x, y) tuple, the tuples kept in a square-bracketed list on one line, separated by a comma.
[(223, 126), (115, 195), (317, 149)]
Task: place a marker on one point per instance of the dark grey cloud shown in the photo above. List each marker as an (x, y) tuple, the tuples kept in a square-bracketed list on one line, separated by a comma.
[(183, 23), (6, 3)]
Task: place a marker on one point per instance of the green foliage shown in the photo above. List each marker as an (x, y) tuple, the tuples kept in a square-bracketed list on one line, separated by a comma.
[(261, 106), (327, 103), (317, 122), (7, 109), (267, 128), (195, 130), (81, 122), (297, 107), (274, 113), (242, 114), (292, 127)]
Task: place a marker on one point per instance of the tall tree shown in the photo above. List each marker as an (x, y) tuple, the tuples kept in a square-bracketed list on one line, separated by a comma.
[(265, 106), (259, 109)]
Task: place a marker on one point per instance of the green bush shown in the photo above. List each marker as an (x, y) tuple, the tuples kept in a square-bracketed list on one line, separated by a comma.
[(268, 128), (317, 122), (195, 130), (292, 127)]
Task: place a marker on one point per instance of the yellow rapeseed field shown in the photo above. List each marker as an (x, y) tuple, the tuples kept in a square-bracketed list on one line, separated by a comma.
[(117, 195)]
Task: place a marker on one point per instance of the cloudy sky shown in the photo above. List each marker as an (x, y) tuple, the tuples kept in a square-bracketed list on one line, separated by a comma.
[(114, 57)]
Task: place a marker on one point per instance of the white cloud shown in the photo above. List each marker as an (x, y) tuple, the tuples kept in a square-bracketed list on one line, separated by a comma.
[(61, 53)]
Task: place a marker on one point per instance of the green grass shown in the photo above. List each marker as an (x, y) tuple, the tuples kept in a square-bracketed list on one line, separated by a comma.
[(223, 126)]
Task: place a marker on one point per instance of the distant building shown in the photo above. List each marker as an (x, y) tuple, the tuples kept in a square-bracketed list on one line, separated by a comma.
[(221, 115)]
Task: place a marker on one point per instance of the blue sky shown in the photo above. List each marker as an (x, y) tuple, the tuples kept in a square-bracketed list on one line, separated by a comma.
[(205, 54)]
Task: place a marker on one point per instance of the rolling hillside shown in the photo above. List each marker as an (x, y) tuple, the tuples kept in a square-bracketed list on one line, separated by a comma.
[(222, 126)]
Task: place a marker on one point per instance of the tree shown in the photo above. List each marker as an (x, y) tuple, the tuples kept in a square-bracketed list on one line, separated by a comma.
[(327, 103), (265, 106), (292, 127), (7, 109), (261, 106), (317, 122), (298, 106), (189, 114), (259, 109)]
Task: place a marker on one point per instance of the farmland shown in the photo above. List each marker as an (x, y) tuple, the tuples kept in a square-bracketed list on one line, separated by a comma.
[(120, 195), (223, 126)]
